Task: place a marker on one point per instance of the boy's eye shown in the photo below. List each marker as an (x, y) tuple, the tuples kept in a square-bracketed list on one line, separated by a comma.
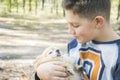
[(73, 25), (76, 26)]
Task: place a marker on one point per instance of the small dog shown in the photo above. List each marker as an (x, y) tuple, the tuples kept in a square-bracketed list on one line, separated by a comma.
[(53, 54)]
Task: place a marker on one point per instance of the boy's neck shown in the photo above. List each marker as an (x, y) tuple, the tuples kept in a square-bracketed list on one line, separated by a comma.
[(107, 34)]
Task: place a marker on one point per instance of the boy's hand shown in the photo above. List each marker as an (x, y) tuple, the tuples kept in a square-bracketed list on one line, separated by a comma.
[(52, 71)]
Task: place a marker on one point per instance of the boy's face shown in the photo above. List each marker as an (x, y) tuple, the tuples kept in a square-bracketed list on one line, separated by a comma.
[(81, 28)]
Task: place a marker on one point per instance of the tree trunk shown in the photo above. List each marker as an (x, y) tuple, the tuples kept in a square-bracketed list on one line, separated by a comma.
[(56, 6), (118, 16), (43, 2), (63, 12), (51, 8), (24, 6), (17, 6), (30, 7), (36, 6), (9, 5)]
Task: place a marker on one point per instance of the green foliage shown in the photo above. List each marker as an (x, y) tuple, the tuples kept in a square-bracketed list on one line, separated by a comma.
[(37, 9)]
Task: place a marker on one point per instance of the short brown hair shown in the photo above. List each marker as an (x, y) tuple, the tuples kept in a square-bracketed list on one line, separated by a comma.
[(89, 8)]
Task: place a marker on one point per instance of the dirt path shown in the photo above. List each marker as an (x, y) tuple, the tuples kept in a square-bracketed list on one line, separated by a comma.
[(20, 45), (28, 42)]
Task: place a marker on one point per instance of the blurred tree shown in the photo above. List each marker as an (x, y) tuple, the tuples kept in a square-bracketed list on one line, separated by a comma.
[(51, 2), (30, 7), (63, 12), (56, 6), (118, 15), (24, 6), (9, 5), (43, 2), (36, 6), (16, 5)]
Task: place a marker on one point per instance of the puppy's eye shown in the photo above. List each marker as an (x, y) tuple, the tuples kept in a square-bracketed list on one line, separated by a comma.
[(69, 73), (50, 52)]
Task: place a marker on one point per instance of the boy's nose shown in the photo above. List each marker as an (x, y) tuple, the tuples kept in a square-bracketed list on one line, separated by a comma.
[(71, 31)]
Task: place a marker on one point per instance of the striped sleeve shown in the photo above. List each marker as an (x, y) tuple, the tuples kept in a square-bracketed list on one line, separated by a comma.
[(117, 69), (117, 73)]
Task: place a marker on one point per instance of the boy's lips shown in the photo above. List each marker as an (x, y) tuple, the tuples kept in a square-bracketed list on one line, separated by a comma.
[(76, 37)]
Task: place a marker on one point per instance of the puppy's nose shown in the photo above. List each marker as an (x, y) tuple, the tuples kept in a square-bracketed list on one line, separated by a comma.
[(58, 52)]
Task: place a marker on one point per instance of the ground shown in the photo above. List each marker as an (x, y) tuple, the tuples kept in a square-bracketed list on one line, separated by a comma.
[(19, 46)]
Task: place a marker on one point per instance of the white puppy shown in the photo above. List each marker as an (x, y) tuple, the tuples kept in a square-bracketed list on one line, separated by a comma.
[(54, 54)]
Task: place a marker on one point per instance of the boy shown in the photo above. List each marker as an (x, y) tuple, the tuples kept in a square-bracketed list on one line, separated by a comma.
[(96, 46)]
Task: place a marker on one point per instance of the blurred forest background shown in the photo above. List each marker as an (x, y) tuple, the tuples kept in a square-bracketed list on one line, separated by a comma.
[(27, 27)]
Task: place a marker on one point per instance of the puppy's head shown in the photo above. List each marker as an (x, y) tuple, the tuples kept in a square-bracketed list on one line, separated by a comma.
[(49, 54), (52, 52)]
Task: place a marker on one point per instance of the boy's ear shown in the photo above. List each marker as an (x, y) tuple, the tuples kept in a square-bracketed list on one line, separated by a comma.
[(99, 21)]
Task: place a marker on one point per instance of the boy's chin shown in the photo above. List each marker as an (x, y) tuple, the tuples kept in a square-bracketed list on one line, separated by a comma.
[(81, 41)]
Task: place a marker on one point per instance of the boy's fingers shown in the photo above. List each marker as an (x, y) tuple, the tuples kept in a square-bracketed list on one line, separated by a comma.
[(59, 68), (63, 64), (59, 78), (60, 74)]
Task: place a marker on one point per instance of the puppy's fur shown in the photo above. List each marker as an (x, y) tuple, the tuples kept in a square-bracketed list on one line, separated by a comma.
[(54, 54)]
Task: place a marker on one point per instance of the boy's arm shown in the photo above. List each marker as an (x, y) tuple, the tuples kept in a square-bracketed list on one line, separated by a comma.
[(36, 77)]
